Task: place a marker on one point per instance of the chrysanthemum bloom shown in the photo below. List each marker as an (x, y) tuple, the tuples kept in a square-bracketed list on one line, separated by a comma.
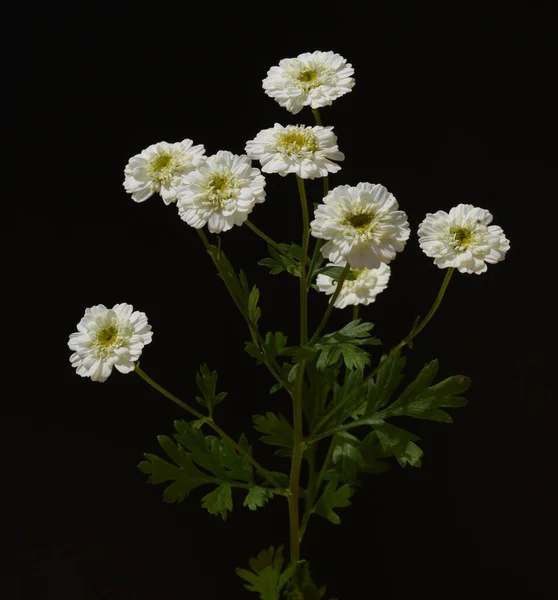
[(306, 151), (362, 226), (311, 79), (161, 168), (108, 338), (221, 192), (362, 290), (463, 239)]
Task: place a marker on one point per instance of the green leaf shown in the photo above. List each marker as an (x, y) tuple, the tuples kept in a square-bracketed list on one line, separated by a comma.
[(288, 259), (276, 429), (333, 497), (206, 381), (399, 443), (335, 273), (184, 475), (347, 458), (281, 478), (257, 497), (254, 311), (274, 345), (345, 343), (266, 577), (387, 380), (219, 501), (423, 402)]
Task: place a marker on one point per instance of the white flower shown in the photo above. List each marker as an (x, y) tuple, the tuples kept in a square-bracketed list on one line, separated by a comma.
[(462, 239), (311, 79), (306, 151), (362, 290), (362, 224), (221, 192), (161, 168), (108, 338)]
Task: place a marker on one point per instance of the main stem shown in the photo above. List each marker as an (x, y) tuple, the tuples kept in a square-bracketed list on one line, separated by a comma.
[(296, 464), (261, 470), (298, 442), (305, 242)]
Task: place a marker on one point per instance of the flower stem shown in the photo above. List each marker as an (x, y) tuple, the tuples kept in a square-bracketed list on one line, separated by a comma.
[(331, 304), (433, 308), (264, 237), (296, 463), (305, 241), (417, 329), (317, 117), (355, 311), (261, 470)]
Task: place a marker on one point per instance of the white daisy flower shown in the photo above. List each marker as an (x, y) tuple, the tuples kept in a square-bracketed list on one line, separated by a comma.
[(161, 168), (462, 239), (306, 151), (221, 192), (362, 225), (311, 79), (108, 337), (362, 290)]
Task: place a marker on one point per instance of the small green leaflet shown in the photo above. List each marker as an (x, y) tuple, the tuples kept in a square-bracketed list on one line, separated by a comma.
[(345, 343), (347, 457), (250, 300), (274, 344), (335, 273), (387, 380), (245, 298), (266, 577), (277, 431), (287, 260), (399, 443), (206, 381), (333, 497), (257, 497), (184, 475), (219, 501)]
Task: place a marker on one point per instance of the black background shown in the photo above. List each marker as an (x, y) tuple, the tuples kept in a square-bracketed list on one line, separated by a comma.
[(450, 105)]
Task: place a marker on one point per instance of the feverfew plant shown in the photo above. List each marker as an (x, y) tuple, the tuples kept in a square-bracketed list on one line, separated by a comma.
[(338, 398)]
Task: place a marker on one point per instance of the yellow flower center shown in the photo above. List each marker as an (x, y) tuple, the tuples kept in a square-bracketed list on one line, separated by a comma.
[(107, 335), (298, 140), (462, 236), (307, 75), (360, 222), (219, 182), (161, 167)]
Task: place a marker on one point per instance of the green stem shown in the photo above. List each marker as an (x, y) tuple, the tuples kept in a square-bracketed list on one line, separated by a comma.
[(298, 452), (317, 117), (315, 488), (355, 311), (318, 120), (325, 318), (264, 237), (433, 308), (257, 338), (261, 470), (305, 242), (417, 329)]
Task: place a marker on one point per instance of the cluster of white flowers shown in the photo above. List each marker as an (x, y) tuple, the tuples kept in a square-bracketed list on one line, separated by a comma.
[(361, 225)]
